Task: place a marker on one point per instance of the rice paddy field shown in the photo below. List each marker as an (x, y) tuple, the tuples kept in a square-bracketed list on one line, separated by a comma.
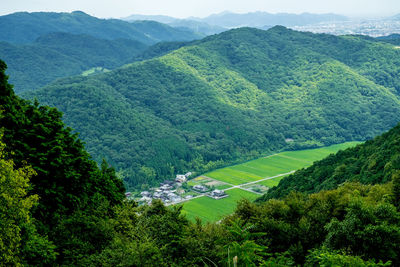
[(212, 210), (273, 165), (261, 169)]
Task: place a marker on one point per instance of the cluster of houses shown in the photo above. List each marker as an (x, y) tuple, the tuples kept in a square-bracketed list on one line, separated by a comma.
[(167, 192), (170, 191)]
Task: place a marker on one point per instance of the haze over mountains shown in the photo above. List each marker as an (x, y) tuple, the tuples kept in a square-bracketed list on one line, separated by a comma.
[(216, 23), (24, 27), (232, 96)]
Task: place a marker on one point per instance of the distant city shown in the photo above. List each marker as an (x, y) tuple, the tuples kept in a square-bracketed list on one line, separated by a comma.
[(373, 28)]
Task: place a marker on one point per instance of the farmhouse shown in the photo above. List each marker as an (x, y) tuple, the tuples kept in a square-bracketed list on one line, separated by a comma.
[(218, 194), (200, 188), (165, 187), (145, 194), (168, 182), (180, 178)]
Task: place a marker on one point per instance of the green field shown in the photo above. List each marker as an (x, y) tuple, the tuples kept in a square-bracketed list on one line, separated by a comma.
[(211, 210), (272, 182), (273, 165)]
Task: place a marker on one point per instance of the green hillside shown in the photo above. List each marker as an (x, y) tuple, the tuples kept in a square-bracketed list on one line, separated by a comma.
[(58, 55), (231, 97), (24, 27), (373, 162)]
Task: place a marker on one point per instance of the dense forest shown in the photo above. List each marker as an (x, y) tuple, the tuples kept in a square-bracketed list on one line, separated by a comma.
[(374, 161), (229, 97), (59, 55), (58, 208)]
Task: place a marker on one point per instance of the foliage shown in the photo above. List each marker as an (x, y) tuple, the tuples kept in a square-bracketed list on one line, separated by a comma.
[(326, 257), (70, 185), (232, 97), (19, 240), (355, 218), (243, 251)]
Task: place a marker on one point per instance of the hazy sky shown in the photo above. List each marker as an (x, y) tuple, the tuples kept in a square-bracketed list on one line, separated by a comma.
[(202, 8)]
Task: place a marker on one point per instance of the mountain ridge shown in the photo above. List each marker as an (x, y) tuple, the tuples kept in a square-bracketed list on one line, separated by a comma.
[(24, 27)]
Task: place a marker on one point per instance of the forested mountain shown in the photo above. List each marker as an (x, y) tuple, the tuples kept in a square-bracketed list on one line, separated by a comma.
[(58, 55), (26, 27), (373, 162), (392, 39), (232, 96)]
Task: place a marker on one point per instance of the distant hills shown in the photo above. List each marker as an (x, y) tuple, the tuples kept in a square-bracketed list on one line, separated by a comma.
[(226, 20), (26, 27), (194, 25), (229, 97), (41, 47), (220, 22)]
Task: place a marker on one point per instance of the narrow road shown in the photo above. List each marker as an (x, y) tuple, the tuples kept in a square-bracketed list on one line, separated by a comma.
[(235, 186)]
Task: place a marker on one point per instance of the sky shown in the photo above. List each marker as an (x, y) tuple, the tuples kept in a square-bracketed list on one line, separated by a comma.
[(202, 8)]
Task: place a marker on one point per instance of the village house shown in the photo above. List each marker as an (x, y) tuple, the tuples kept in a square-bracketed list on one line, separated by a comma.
[(200, 188), (145, 194), (165, 187), (218, 194), (180, 178), (168, 182)]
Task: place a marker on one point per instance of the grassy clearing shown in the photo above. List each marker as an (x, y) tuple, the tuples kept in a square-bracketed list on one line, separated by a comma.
[(211, 210), (273, 165)]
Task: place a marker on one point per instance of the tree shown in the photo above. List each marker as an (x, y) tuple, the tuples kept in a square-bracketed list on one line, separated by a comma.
[(18, 237)]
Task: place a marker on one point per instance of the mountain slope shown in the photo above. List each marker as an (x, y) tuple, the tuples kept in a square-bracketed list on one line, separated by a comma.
[(372, 162), (232, 96), (26, 27), (58, 55)]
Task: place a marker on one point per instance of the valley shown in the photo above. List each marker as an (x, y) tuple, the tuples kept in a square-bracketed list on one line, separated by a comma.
[(139, 143), (249, 180), (229, 98)]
